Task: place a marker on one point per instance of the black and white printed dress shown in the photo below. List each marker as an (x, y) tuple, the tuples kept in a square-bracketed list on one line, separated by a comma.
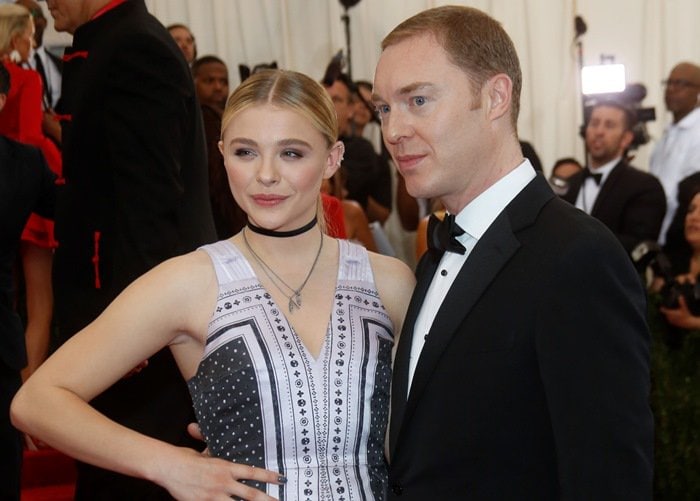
[(262, 399)]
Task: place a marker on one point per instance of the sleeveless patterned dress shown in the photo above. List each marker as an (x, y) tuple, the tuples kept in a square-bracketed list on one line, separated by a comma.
[(262, 399)]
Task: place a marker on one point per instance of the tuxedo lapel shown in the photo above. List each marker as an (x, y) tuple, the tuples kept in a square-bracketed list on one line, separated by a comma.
[(399, 387), (489, 256), (607, 190)]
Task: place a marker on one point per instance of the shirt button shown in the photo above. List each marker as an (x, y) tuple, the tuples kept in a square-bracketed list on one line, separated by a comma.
[(443, 273)]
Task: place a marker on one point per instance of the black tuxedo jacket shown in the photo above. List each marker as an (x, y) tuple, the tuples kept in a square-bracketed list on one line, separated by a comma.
[(134, 193), (631, 203), (26, 186), (534, 379)]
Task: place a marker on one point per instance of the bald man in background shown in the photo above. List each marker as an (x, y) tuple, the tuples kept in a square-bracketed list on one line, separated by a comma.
[(677, 155)]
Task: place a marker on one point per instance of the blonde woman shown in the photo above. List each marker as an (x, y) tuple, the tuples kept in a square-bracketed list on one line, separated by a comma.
[(284, 334)]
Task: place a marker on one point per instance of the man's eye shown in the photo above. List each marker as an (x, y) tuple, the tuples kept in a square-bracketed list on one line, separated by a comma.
[(382, 109), (419, 100)]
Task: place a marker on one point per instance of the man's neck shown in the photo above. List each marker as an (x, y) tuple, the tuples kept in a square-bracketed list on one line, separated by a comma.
[(595, 165)]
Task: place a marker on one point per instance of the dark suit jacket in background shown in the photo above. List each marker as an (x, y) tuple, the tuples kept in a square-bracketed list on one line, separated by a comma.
[(630, 202), (533, 383), (229, 218), (135, 194), (26, 186)]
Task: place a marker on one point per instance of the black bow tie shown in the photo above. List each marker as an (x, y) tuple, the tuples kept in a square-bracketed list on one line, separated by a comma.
[(596, 177), (442, 235)]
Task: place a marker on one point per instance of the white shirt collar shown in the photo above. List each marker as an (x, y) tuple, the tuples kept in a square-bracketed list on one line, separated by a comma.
[(606, 168), (690, 120), (478, 215)]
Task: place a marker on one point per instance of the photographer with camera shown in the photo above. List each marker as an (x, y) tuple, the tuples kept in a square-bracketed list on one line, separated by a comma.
[(680, 287), (630, 202)]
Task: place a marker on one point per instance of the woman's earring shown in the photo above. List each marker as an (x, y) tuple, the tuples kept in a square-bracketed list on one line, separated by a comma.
[(15, 56)]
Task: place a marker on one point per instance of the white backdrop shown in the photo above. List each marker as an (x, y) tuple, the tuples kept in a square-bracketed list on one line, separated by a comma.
[(648, 36)]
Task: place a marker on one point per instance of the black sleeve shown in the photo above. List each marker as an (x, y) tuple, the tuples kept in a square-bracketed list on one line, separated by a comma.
[(593, 351)]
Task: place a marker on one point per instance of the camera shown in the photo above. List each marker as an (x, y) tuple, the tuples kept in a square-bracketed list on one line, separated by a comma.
[(631, 99), (648, 257)]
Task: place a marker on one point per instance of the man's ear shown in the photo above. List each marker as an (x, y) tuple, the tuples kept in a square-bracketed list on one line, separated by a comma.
[(334, 160), (627, 139), (499, 92)]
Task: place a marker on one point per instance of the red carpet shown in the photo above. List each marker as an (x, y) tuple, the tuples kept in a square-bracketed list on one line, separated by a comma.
[(48, 475)]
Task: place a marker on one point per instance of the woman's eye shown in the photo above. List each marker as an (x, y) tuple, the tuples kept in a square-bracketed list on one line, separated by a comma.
[(292, 154), (243, 152), (419, 100)]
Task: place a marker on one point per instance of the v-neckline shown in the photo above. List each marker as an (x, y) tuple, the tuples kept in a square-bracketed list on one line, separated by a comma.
[(300, 341)]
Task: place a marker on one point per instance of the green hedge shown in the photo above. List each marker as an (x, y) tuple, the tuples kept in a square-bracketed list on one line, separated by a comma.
[(675, 401)]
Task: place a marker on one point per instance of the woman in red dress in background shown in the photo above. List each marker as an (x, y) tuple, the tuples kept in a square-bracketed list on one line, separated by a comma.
[(21, 120)]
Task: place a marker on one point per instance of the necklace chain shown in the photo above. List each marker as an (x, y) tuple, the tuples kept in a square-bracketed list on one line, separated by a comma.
[(295, 297)]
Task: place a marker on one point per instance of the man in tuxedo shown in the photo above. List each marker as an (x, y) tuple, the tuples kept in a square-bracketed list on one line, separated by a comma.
[(522, 370), (630, 202)]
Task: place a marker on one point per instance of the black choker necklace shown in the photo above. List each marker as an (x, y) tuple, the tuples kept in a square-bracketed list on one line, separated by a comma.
[(283, 234)]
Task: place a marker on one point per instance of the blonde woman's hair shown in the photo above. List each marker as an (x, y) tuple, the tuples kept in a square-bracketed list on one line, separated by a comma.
[(286, 89), (14, 19)]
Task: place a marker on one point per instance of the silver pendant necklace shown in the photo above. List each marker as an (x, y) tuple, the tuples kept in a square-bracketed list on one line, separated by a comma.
[(295, 296)]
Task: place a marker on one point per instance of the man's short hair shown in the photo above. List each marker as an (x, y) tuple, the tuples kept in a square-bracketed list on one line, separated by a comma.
[(4, 79), (182, 26), (198, 63), (629, 112), (473, 41), (340, 77)]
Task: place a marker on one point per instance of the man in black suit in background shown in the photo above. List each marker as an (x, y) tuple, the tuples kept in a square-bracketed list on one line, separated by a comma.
[(630, 202), (522, 371), (211, 84), (134, 194), (26, 186)]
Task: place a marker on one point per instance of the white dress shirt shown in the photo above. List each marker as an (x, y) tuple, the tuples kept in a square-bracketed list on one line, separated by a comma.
[(675, 157), (53, 76), (588, 193), (474, 219)]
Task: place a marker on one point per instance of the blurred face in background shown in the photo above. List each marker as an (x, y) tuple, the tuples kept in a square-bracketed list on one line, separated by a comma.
[(340, 95), (362, 113), (39, 20), (607, 135), (566, 170), (24, 42), (692, 223), (682, 93), (185, 40), (211, 83)]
